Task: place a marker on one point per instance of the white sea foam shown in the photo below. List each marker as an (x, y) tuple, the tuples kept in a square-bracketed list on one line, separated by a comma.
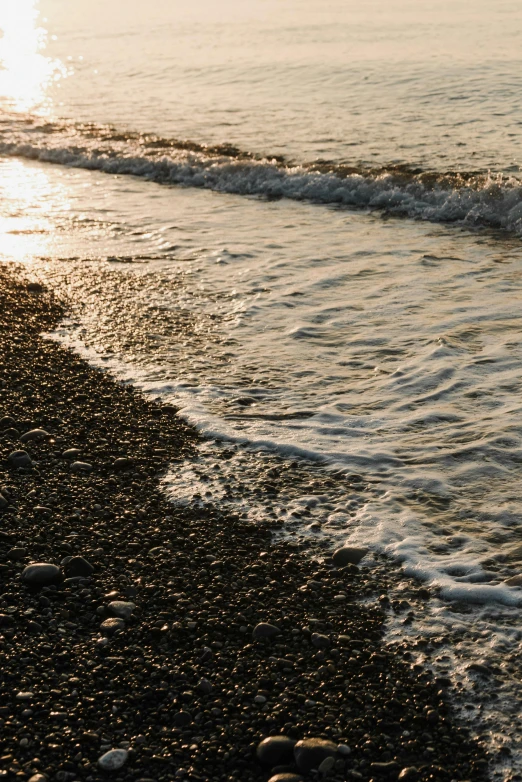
[(491, 201)]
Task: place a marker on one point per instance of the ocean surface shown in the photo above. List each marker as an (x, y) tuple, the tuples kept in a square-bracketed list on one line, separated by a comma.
[(300, 221)]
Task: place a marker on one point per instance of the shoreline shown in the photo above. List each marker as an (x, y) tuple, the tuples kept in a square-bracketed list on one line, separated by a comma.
[(182, 684)]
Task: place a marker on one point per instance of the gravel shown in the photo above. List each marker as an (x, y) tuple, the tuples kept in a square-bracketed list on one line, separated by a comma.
[(138, 691)]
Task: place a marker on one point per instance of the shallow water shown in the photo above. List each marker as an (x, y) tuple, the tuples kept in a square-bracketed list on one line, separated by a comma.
[(235, 242)]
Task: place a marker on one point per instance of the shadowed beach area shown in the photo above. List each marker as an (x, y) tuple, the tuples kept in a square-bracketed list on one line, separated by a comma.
[(182, 638)]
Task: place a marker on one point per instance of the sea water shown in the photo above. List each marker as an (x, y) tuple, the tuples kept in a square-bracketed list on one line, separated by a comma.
[(300, 222)]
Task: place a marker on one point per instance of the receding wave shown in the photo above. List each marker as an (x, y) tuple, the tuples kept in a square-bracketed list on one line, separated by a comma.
[(469, 199)]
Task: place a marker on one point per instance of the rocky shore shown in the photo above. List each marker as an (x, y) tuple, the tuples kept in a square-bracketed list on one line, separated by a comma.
[(161, 643)]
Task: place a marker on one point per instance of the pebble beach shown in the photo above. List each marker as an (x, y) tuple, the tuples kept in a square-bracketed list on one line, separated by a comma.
[(146, 641)]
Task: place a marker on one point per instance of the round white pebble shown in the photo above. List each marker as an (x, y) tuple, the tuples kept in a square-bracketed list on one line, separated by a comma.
[(113, 760)]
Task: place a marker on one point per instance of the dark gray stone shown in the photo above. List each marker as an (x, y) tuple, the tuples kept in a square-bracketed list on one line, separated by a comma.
[(121, 608), (320, 641), (34, 435), (276, 751), (182, 719), (286, 777), (310, 753), (204, 687), (265, 630), (72, 453), (20, 459), (41, 574), (113, 760), (111, 626), (349, 555), (17, 554), (3, 502), (409, 774), (80, 467), (78, 567)]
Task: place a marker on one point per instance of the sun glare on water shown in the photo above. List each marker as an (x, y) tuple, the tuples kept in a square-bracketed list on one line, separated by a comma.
[(25, 71)]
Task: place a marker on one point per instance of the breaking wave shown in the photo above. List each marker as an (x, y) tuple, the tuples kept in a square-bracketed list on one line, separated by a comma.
[(469, 199)]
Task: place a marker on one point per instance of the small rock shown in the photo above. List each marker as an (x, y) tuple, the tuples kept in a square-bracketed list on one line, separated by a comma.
[(20, 459), (111, 626), (344, 750), (348, 555), (310, 753), (113, 760), (78, 567), (6, 620), (34, 435), (80, 467), (320, 641), (6, 422), (275, 751), (17, 554), (24, 696), (265, 630), (38, 778), (327, 765), (3, 502), (409, 774), (72, 453), (41, 574), (182, 719), (204, 687), (286, 778), (121, 608), (260, 699), (123, 463)]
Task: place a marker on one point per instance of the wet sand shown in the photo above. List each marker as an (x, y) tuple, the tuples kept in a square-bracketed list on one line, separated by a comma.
[(183, 684)]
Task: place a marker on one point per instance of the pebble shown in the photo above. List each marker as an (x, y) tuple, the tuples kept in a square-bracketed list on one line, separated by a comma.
[(20, 459), (113, 760), (349, 555), (320, 641), (24, 696), (16, 554), (123, 463), (344, 750), (3, 502), (265, 630), (310, 753), (78, 567), (121, 608), (38, 778), (34, 435), (81, 467), (72, 453), (204, 687), (409, 774), (327, 765), (111, 626), (275, 751), (41, 574), (286, 778)]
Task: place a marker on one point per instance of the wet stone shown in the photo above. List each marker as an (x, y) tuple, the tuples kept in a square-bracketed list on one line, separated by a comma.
[(17, 554), (123, 463), (121, 608), (78, 567), (20, 459), (34, 436), (409, 774), (81, 467), (265, 630), (310, 753), (72, 453), (276, 751), (3, 502), (286, 777), (112, 626), (349, 555), (41, 574)]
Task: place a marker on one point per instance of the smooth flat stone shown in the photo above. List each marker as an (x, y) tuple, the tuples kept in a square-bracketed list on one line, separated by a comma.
[(41, 574), (20, 459), (121, 608), (276, 751), (113, 760), (34, 435), (348, 555)]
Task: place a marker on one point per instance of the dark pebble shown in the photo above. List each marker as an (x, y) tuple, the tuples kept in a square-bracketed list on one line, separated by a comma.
[(310, 753), (41, 574), (34, 435), (276, 751), (20, 459), (265, 630), (80, 467), (78, 567), (349, 555)]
